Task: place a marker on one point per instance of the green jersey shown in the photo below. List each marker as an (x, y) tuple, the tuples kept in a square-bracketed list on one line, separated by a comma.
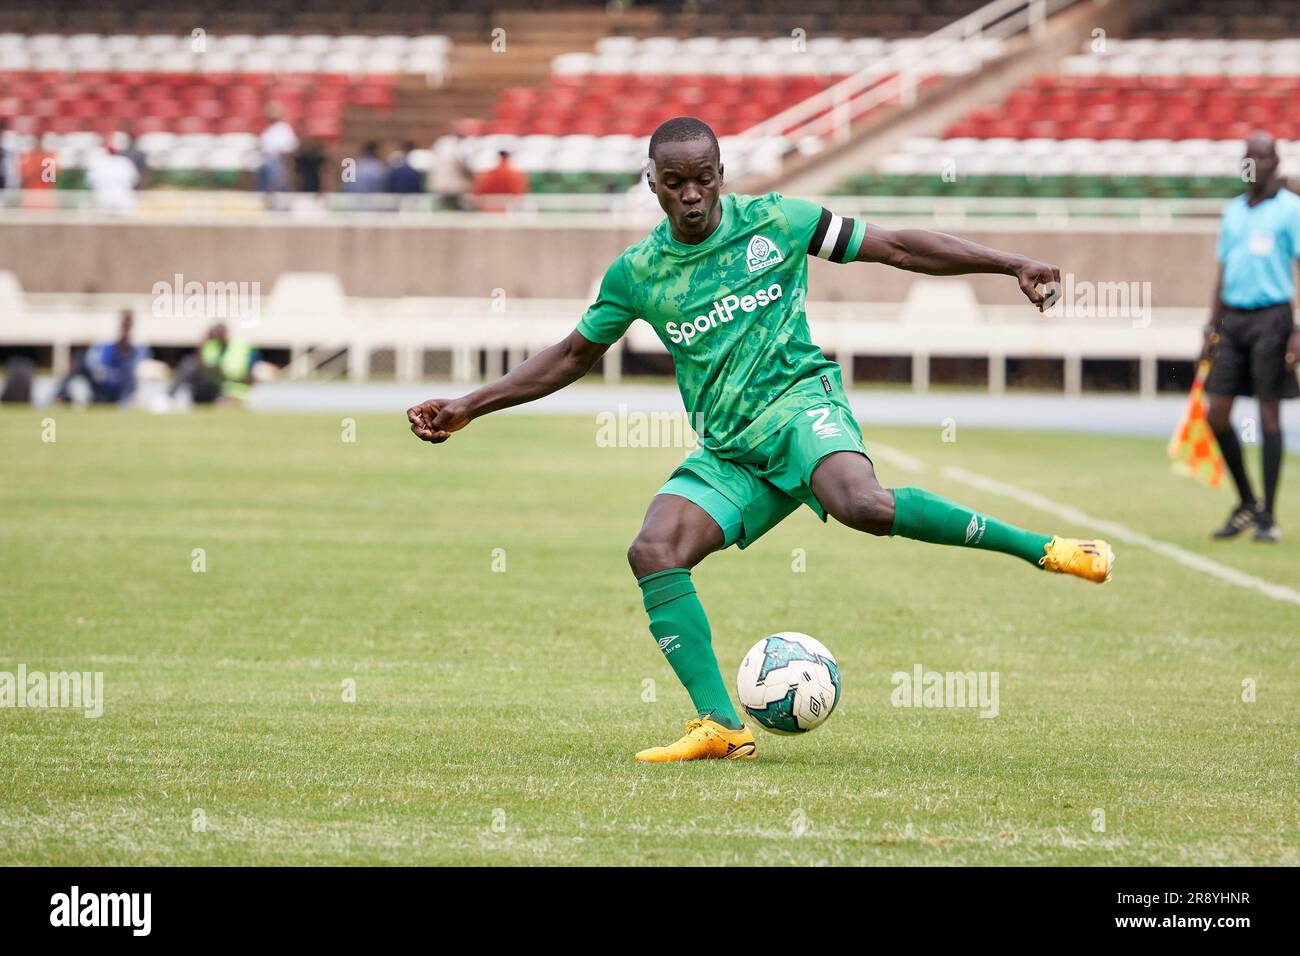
[(730, 310)]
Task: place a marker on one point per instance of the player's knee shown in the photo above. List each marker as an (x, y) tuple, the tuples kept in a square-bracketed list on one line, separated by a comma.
[(650, 553), (871, 511)]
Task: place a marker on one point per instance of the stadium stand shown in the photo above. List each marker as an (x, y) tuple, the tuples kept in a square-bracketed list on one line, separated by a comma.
[(573, 102), (590, 121), (1223, 19), (196, 100), (1147, 117), (310, 316), (702, 17), (196, 103), (268, 16)]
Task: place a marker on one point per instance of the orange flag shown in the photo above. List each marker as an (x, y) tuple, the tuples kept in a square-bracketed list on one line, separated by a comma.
[(1193, 449)]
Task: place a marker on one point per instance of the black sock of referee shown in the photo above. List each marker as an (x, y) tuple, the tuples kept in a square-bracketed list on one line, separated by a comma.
[(1272, 467), (1231, 448)]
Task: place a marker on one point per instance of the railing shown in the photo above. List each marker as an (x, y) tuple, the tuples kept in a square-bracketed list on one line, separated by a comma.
[(945, 321), (583, 210), (164, 203), (831, 113), (956, 210)]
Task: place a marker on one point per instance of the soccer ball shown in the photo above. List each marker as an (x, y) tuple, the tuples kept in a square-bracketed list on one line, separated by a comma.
[(789, 683)]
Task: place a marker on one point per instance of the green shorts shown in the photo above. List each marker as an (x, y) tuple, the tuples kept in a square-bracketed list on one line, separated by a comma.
[(751, 494)]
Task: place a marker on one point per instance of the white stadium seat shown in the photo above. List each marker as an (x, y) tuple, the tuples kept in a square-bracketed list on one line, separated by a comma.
[(353, 43), (233, 43), (574, 64), (277, 44), (616, 46), (83, 42), (382, 62), (220, 53), (45, 43)]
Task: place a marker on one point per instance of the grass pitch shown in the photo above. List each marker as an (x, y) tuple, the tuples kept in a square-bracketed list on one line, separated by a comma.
[(496, 711)]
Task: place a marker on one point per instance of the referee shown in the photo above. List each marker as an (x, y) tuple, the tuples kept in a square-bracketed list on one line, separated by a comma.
[(1252, 335)]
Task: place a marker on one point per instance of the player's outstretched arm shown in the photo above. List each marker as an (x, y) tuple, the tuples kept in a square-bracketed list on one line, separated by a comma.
[(548, 371), (938, 254)]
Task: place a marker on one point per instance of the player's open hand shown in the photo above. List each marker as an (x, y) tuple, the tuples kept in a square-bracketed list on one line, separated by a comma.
[(1031, 274), (435, 420)]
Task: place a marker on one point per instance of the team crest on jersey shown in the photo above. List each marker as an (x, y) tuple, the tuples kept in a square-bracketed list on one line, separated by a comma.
[(762, 253)]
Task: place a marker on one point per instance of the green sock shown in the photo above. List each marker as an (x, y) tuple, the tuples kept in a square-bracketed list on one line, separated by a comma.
[(678, 623), (923, 516)]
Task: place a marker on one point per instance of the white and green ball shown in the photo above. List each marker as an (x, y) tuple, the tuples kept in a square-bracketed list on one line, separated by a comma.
[(789, 683)]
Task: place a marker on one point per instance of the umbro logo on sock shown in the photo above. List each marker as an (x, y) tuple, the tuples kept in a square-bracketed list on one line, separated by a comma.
[(975, 530), (665, 641)]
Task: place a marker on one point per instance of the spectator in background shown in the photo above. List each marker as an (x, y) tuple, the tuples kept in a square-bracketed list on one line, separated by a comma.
[(19, 372), (308, 163), (112, 179), (37, 175), (10, 174), (371, 172), (133, 152), (403, 177), (278, 143), (492, 188), (109, 368), (37, 169), (450, 177), (220, 372)]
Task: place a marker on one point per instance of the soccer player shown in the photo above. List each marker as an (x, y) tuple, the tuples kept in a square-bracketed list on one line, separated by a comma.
[(722, 280), (1252, 334)]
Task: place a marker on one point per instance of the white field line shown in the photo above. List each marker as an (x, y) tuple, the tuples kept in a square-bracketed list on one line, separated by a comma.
[(1083, 520)]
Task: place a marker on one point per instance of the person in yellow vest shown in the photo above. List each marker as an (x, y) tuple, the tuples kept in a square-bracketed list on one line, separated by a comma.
[(220, 372)]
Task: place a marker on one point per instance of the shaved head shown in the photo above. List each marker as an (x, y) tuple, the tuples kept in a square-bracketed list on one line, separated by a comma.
[(1260, 143), (684, 129), (1260, 165)]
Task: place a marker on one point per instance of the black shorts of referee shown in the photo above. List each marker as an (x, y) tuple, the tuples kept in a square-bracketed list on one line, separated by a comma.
[(1250, 357)]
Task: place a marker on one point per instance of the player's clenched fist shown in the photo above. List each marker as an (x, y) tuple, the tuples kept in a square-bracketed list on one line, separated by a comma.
[(1031, 274), (436, 419)]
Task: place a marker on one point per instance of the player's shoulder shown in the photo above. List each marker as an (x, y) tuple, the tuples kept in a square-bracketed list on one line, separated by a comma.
[(769, 210), (747, 207), (640, 253), (745, 204), (639, 261)]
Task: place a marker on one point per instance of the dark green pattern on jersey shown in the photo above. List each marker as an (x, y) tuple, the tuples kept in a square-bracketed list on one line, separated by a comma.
[(742, 374)]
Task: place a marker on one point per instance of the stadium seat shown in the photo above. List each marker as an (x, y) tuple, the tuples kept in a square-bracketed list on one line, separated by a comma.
[(1149, 117)]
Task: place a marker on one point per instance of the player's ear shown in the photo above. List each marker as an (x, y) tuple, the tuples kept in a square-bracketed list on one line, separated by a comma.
[(650, 179), (721, 178)]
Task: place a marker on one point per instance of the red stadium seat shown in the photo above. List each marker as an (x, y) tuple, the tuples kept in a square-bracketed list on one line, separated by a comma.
[(1137, 107)]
